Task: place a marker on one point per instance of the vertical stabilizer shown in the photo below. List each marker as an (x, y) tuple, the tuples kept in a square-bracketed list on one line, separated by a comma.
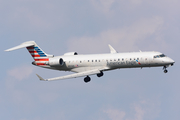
[(38, 54), (40, 57)]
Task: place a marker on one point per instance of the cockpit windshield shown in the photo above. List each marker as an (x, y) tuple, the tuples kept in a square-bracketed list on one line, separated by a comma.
[(160, 56)]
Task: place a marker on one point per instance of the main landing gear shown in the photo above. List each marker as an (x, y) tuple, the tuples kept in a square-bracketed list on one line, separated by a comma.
[(87, 79), (100, 74), (164, 68)]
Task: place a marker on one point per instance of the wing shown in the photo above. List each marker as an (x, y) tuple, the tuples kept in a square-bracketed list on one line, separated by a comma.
[(80, 74)]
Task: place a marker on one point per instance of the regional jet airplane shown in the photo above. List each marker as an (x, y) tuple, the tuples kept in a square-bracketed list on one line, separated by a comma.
[(93, 64)]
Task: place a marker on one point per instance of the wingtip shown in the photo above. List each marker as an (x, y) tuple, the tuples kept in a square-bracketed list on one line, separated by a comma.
[(7, 50), (40, 78), (112, 50), (109, 45)]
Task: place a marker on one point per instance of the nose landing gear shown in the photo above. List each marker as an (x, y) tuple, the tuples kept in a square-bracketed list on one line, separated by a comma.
[(165, 71), (164, 68)]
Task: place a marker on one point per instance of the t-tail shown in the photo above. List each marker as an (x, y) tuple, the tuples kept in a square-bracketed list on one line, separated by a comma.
[(39, 56)]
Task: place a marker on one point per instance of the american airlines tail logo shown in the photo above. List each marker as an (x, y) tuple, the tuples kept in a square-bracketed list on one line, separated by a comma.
[(38, 55)]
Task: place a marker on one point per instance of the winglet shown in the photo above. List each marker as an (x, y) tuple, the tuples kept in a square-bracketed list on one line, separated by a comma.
[(112, 49), (40, 78)]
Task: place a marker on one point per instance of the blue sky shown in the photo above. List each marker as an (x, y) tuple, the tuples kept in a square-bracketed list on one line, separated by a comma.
[(88, 26)]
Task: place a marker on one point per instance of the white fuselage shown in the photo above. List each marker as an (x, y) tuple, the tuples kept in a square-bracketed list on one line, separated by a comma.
[(78, 63), (93, 64)]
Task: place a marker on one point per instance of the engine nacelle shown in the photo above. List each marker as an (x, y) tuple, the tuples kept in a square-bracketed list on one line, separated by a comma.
[(71, 53), (56, 62)]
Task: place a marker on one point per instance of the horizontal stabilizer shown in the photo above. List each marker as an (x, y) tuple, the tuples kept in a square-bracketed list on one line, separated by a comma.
[(26, 44), (81, 74)]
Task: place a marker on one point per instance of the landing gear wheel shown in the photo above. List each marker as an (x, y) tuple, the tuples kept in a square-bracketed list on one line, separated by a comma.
[(165, 71), (164, 68), (87, 79), (100, 74)]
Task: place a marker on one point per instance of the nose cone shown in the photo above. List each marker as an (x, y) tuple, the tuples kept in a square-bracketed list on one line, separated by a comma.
[(169, 61), (172, 62)]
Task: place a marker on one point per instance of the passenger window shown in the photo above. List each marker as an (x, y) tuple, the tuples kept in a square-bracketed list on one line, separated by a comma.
[(96, 60), (123, 59), (92, 60), (137, 58)]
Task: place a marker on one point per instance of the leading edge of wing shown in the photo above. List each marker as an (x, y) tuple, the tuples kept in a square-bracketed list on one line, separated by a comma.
[(80, 74)]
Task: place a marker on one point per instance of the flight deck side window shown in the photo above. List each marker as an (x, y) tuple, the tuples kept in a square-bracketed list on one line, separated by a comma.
[(162, 55), (156, 56)]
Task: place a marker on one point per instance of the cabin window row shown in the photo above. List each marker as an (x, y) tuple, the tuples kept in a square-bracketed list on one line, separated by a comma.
[(107, 60), (123, 59)]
